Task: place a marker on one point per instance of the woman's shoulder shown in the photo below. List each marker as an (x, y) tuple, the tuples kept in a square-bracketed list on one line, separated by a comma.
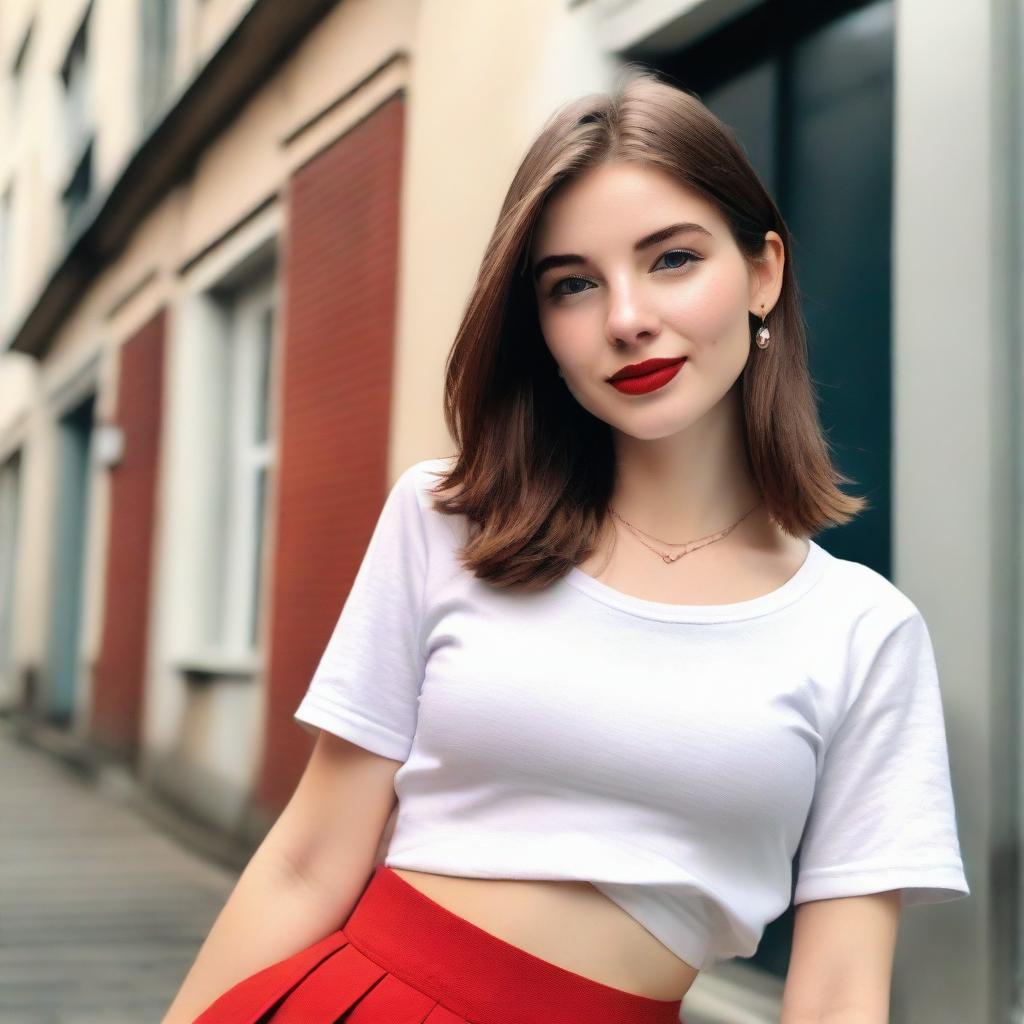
[(865, 592), (425, 476), (422, 483)]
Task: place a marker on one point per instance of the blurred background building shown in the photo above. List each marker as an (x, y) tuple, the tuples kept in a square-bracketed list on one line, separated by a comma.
[(236, 239)]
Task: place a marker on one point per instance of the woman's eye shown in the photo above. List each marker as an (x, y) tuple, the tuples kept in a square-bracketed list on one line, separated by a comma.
[(689, 257), (567, 280)]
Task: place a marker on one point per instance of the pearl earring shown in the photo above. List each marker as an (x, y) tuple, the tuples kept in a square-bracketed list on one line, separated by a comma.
[(763, 334)]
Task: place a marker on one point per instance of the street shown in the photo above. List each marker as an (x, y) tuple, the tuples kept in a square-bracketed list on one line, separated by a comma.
[(101, 914)]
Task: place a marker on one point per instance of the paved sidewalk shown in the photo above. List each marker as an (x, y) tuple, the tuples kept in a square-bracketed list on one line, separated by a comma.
[(101, 914)]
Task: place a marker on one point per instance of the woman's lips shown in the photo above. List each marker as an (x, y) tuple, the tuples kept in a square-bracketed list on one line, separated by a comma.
[(649, 381)]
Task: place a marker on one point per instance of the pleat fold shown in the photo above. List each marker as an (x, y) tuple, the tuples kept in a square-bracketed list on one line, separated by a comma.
[(332, 988), (254, 996), (394, 1001), (442, 1015)]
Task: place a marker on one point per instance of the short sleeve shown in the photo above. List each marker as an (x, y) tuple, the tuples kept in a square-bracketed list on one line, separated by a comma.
[(367, 683), (882, 815)]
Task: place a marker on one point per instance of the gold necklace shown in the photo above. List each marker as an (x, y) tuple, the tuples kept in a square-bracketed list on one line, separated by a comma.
[(667, 557)]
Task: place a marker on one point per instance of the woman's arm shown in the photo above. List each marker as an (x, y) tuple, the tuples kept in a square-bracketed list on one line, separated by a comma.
[(840, 968), (306, 876)]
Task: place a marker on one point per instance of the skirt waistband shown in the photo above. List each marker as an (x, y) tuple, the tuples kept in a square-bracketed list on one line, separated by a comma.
[(476, 974)]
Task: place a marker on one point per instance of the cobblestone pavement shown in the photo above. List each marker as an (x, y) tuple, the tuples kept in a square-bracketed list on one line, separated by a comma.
[(101, 914)]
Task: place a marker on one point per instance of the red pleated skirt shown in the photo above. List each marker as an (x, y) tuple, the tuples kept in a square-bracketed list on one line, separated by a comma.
[(402, 958)]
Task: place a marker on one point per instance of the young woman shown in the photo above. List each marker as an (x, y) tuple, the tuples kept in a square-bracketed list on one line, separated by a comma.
[(595, 661)]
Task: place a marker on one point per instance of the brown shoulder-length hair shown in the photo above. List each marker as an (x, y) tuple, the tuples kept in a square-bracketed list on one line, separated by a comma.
[(534, 470)]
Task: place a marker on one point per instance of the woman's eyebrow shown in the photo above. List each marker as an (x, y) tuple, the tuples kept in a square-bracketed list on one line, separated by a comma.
[(542, 266)]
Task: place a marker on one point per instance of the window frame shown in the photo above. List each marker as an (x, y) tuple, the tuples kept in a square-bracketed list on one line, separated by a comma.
[(250, 457)]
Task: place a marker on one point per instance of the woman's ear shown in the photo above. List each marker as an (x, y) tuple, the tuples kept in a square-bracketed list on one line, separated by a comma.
[(769, 267)]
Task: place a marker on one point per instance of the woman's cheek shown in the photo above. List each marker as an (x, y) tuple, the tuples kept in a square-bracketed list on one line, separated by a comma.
[(569, 344), (701, 311)]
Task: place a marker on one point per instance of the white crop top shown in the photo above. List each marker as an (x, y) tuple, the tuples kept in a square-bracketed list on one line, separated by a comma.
[(675, 756)]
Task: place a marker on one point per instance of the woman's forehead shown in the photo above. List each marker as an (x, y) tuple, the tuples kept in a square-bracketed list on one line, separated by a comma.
[(589, 207)]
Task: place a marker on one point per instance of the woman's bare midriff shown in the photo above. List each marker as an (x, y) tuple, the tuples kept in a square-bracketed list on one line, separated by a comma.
[(570, 924)]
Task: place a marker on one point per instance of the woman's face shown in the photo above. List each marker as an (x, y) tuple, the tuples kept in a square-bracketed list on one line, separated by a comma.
[(609, 304)]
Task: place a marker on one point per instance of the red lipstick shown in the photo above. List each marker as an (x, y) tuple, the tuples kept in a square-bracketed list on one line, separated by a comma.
[(651, 374)]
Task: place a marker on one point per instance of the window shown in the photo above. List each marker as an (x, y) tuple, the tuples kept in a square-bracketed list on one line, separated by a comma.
[(245, 455), (6, 202), (78, 190), (156, 63), (18, 70), (10, 473), (77, 126)]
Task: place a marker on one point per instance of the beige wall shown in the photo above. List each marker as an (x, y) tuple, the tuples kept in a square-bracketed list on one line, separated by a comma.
[(484, 77)]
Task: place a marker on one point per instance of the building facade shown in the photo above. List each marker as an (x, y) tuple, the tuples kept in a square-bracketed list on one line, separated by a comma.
[(236, 239)]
